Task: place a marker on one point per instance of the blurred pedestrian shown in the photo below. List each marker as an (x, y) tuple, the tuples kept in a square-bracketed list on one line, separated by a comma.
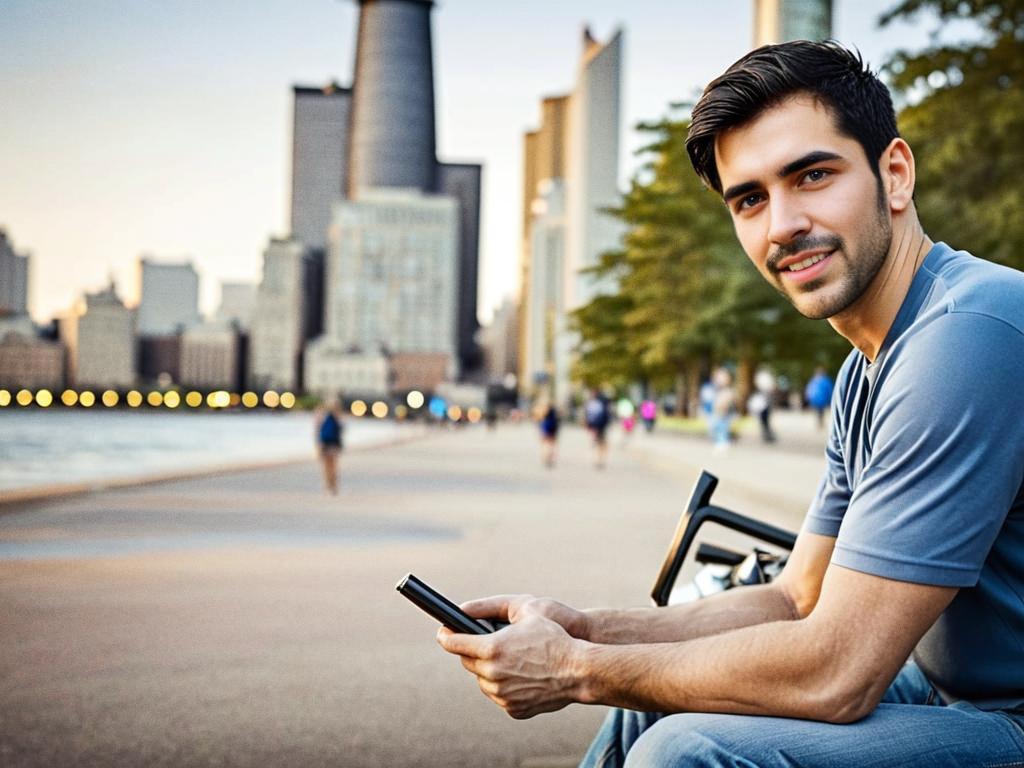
[(549, 423), (723, 409), (329, 441), (597, 413), (649, 413), (761, 401), (626, 413), (818, 394)]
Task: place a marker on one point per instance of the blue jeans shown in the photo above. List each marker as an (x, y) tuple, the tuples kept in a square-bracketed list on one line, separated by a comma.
[(911, 727)]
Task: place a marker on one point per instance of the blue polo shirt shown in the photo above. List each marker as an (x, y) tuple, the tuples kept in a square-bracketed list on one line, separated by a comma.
[(925, 473)]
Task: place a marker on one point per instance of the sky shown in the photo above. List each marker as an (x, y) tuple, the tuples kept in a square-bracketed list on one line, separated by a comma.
[(163, 127)]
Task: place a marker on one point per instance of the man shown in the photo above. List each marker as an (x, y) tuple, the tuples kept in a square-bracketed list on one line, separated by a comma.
[(914, 544)]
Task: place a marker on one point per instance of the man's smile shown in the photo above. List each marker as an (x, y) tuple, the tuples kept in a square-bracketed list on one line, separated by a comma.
[(804, 266)]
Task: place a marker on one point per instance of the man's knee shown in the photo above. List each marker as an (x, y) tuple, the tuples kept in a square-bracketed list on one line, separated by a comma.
[(698, 740)]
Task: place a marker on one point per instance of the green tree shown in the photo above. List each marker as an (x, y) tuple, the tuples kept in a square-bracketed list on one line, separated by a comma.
[(964, 120)]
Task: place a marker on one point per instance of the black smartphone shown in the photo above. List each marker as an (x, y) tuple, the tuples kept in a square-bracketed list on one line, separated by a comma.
[(443, 609)]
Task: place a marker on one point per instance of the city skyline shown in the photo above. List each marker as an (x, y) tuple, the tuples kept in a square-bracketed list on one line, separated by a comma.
[(142, 132)]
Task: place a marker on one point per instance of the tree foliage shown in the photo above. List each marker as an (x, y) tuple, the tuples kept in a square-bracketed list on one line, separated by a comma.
[(964, 120)]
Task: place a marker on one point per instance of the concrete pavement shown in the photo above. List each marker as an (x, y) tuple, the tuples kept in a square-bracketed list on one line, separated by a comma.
[(250, 620)]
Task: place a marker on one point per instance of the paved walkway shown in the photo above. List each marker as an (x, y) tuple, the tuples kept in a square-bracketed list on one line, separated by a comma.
[(250, 620)]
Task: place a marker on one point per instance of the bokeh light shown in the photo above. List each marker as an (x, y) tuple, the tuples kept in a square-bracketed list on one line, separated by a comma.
[(110, 398), (438, 407), (415, 399), (234, 399), (5, 398), (474, 414), (250, 400), (358, 408), (287, 400), (172, 399), (44, 398), (218, 399), (401, 411), (271, 399), (69, 397), (380, 409), (193, 399), (24, 397), (155, 399), (87, 399), (455, 413), (133, 398)]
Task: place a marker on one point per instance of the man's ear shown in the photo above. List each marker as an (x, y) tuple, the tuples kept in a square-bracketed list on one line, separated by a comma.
[(896, 166)]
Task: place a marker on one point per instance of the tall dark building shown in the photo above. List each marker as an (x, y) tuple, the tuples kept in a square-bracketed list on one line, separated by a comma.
[(463, 182), (319, 159), (393, 141)]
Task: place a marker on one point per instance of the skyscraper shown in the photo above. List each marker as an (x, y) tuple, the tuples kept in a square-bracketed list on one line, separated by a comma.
[(571, 175), (13, 278), (283, 315), (100, 337), (319, 159), (778, 21), (543, 177), (464, 182), (393, 106), (168, 297)]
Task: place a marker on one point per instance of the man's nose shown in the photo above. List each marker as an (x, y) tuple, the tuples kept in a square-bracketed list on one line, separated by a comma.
[(788, 219)]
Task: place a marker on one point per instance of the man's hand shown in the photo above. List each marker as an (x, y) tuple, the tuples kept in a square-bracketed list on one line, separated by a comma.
[(509, 608), (527, 668)]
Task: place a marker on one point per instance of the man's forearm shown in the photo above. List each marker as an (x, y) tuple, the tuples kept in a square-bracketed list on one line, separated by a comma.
[(712, 615), (780, 669)]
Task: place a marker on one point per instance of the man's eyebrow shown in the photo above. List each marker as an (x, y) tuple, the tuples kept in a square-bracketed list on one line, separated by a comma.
[(811, 158), (740, 189)]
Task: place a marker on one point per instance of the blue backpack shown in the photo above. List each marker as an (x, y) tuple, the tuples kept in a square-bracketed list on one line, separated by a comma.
[(330, 430), (596, 411)]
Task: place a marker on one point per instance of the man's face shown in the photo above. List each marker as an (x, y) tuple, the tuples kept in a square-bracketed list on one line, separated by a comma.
[(806, 206)]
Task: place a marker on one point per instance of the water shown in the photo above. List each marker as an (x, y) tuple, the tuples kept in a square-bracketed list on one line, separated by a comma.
[(40, 449)]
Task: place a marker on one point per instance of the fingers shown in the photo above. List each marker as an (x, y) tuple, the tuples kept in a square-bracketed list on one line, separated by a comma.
[(496, 607), (472, 646)]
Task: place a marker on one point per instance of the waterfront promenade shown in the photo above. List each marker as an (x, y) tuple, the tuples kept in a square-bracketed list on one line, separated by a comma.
[(248, 619)]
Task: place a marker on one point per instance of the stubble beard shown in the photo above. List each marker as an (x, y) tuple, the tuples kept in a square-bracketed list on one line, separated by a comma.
[(861, 268)]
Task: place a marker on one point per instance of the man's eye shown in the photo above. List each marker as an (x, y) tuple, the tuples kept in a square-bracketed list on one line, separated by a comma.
[(815, 174), (748, 202)]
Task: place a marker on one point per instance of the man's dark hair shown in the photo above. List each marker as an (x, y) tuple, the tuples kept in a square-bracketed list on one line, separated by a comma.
[(836, 77)]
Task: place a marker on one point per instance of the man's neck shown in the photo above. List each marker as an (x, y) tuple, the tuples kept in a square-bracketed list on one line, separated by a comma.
[(866, 322)]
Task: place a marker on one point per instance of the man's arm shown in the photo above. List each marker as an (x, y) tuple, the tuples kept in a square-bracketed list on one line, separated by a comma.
[(833, 664), (792, 596)]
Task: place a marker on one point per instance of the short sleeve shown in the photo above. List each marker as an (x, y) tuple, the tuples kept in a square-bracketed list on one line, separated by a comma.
[(947, 454), (825, 514)]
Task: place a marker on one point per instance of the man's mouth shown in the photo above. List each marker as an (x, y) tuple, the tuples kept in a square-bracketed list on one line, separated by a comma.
[(806, 268), (808, 262)]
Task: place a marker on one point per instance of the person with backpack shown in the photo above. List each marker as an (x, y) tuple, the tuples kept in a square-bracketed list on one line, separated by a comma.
[(597, 413), (329, 441), (818, 394), (549, 423)]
